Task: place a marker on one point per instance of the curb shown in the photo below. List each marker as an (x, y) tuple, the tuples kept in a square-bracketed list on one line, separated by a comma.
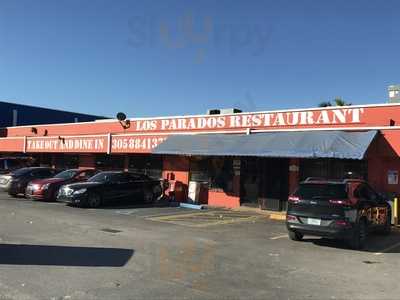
[(277, 217)]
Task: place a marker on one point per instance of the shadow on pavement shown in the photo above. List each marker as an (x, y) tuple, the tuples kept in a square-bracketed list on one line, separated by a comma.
[(375, 243), (12, 254)]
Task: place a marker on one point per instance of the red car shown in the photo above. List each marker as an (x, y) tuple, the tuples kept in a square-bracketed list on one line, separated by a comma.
[(47, 189)]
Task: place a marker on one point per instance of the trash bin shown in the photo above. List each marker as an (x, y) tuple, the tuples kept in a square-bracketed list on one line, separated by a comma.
[(197, 192)]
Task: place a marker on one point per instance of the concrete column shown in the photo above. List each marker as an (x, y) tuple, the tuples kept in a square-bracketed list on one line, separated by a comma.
[(294, 175)]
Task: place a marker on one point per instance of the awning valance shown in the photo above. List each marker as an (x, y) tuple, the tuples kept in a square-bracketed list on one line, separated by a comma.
[(301, 144)]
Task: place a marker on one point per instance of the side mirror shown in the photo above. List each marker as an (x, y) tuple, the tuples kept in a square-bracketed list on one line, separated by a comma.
[(382, 197)]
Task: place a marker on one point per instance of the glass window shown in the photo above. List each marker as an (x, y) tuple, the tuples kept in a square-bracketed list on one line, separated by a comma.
[(66, 161), (199, 168), (333, 168), (86, 174), (13, 163), (102, 177), (110, 162), (22, 171), (221, 174), (321, 191), (150, 165), (66, 174), (365, 192), (217, 171)]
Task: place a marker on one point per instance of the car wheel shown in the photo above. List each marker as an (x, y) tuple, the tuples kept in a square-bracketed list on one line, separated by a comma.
[(295, 236), (359, 237), (387, 228), (94, 200), (157, 192), (148, 196)]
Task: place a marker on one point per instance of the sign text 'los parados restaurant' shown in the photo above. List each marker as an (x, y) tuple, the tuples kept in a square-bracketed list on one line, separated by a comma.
[(256, 120)]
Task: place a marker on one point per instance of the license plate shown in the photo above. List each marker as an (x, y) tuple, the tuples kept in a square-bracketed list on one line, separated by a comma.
[(312, 221)]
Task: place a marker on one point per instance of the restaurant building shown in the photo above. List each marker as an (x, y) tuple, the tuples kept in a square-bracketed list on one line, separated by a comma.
[(241, 158)]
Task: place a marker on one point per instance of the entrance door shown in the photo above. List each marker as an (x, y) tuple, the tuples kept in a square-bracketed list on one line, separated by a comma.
[(274, 186), (266, 178), (249, 181)]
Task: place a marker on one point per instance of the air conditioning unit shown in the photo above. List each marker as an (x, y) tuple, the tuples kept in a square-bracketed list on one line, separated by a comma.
[(223, 111)]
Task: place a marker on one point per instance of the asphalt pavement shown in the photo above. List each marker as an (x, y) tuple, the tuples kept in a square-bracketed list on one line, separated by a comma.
[(53, 251)]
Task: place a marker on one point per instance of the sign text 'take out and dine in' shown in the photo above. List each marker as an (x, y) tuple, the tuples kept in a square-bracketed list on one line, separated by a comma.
[(99, 144), (257, 120)]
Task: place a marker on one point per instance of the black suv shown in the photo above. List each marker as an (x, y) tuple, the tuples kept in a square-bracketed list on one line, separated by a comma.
[(346, 209)]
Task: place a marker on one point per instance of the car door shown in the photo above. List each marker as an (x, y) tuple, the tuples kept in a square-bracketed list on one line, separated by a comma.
[(135, 187), (110, 189), (117, 187), (128, 186)]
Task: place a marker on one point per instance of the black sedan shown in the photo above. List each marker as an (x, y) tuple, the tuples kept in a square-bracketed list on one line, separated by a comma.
[(109, 187)]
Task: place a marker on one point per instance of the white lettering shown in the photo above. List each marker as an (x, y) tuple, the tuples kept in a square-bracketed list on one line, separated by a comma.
[(323, 118), (235, 121), (267, 119), (339, 115), (356, 112), (279, 120), (164, 124)]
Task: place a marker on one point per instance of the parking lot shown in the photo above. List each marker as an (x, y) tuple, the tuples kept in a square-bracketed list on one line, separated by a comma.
[(53, 251)]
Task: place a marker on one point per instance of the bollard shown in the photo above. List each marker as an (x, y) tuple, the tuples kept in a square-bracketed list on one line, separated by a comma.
[(395, 211)]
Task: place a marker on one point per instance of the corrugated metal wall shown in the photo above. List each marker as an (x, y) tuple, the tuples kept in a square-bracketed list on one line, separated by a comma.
[(17, 114)]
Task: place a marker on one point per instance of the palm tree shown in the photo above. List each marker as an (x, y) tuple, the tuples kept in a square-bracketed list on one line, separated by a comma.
[(340, 102), (336, 102), (325, 104)]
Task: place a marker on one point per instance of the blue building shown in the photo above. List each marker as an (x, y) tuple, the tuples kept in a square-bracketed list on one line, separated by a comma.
[(18, 114)]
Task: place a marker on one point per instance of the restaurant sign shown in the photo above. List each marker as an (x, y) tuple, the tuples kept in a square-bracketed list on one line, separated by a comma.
[(135, 144), (94, 144), (67, 144), (339, 116)]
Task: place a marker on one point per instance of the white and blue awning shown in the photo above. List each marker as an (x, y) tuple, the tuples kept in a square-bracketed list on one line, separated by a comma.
[(299, 144)]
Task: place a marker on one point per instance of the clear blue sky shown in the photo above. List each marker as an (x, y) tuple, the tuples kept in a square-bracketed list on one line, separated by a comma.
[(160, 57)]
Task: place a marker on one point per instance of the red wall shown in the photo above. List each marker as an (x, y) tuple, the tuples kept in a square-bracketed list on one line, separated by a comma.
[(383, 156), (11, 145), (176, 169)]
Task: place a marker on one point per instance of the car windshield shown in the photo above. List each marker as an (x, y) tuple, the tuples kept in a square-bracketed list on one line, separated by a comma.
[(66, 174), (103, 177), (21, 172), (321, 191)]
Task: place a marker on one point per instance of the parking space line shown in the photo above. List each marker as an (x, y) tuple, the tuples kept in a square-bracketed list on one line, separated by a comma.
[(387, 249), (279, 237)]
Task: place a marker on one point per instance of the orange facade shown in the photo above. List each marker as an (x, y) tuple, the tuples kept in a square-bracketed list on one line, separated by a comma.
[(140, 136)]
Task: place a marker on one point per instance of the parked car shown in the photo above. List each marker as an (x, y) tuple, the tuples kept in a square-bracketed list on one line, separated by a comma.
[(347, 209), (47, 189), (16, 182), (9, 164), (111, 186)]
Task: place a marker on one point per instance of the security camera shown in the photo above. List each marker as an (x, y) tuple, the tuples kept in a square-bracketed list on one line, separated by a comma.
[(121, 117)]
